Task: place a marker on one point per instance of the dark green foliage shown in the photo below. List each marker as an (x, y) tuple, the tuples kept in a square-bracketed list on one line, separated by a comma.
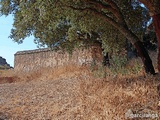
[(55, 22)]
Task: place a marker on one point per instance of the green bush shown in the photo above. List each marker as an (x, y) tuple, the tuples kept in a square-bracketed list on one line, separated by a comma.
[(118, 64), (136, 68)]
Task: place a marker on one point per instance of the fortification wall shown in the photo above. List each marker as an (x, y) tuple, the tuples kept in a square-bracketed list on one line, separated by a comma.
[(41, 58)]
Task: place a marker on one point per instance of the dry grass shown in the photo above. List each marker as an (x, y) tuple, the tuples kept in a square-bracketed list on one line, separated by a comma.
[(76, 93)]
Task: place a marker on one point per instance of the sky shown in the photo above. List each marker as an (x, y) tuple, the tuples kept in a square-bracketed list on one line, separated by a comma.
[(7, 46)]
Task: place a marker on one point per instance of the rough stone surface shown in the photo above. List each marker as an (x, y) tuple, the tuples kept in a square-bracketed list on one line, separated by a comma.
[(41, 58)]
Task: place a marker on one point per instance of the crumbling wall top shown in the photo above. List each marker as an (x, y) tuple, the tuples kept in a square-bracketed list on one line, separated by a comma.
[(32, 51)]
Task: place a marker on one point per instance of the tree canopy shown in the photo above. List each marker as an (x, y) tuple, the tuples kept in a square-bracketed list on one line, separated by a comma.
[(45, 20), (58, 21)]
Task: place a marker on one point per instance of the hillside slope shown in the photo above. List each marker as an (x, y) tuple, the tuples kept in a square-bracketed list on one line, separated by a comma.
[(76, 94), (4, 64)]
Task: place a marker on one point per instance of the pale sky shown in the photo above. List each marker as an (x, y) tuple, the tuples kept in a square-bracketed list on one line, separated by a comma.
[(7, 47)]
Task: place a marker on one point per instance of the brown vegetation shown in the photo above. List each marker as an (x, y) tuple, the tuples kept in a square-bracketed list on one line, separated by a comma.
[(77, 93)]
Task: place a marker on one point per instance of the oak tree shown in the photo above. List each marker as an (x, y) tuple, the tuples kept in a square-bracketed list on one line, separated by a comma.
[(111, 19)]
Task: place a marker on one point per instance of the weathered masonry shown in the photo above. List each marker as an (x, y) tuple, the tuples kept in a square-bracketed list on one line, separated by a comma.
[(41, 58)]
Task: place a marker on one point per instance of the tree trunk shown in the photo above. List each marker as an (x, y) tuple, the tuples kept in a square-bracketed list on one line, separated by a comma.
[(156, 22), (123, 28), (142, 52), (106, 60)]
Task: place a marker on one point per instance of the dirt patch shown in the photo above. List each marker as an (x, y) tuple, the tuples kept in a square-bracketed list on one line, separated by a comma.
[(7, 80)]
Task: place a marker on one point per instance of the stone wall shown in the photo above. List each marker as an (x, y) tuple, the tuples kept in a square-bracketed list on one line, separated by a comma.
[(41, 58)]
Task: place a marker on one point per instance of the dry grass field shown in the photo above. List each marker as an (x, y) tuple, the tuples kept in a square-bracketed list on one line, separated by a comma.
[(77, 93)]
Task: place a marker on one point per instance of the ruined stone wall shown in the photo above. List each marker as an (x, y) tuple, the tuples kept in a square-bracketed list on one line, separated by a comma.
[(41, 58)]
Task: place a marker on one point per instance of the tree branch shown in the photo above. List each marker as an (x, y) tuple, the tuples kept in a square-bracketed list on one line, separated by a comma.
[(123, 28), (116, 11), (97, 13)]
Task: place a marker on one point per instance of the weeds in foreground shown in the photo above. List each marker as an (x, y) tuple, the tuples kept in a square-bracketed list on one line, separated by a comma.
[(119, 66)]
